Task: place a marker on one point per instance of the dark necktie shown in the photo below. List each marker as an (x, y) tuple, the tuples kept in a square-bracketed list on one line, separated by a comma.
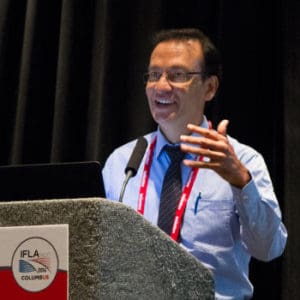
[(171, 189)]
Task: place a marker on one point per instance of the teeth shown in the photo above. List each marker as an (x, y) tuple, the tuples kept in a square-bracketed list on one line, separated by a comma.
[(164, 101)]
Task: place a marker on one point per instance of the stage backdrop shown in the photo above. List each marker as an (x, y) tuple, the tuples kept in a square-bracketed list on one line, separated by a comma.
[(71, 88)]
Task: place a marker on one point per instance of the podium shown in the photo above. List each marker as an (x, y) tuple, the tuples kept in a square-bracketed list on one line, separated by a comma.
[(114, 253)]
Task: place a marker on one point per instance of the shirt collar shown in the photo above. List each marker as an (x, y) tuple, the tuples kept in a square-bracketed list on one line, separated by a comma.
[(162, 141)]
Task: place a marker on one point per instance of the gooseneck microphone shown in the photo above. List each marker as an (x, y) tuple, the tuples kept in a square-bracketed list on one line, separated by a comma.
[(134, 163)]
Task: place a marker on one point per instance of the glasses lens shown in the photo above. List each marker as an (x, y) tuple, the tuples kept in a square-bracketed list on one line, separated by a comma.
[(154, 76), (177, 77)]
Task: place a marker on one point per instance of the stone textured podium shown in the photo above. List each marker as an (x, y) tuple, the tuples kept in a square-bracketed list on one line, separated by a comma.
[(114, 252)]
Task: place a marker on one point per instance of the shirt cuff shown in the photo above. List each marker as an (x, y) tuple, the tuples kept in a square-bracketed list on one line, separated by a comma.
[(246, 198)]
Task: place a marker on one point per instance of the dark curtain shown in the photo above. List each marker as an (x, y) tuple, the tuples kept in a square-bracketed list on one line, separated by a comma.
[(71, 88)]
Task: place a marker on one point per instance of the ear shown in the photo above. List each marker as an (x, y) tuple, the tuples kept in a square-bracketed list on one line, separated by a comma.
[(211, 86)]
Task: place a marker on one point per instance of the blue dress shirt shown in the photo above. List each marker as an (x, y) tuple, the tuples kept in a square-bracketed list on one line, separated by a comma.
[(223, 226)]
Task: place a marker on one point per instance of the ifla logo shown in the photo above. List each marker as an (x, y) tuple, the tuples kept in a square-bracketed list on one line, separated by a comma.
[(34, 264)]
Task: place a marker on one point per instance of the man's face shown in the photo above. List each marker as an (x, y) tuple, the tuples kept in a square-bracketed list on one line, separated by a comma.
[(176, 104)]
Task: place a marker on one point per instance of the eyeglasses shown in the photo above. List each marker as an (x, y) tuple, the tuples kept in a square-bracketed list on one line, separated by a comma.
[(174, 77)]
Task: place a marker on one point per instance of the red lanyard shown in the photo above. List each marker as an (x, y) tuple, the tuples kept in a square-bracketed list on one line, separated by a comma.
[(183, 198)]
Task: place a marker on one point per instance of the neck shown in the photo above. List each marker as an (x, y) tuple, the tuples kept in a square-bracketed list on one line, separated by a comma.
[(171, 138), (172, 132)]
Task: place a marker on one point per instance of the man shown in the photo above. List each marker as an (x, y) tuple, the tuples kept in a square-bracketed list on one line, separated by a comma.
[(230, 210)]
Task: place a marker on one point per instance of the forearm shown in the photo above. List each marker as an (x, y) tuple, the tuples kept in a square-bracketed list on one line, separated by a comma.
[(262, 231)]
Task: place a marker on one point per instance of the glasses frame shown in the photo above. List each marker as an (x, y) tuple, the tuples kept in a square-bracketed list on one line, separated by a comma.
[(187, 74)]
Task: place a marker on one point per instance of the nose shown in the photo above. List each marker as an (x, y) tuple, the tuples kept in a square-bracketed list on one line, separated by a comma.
[(163, 83)]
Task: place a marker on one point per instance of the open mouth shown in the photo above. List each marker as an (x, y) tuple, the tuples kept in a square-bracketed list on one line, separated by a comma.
[(164, 101)]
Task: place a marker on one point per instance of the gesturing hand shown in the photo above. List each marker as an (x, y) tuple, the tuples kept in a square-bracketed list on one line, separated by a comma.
[(219, 154)]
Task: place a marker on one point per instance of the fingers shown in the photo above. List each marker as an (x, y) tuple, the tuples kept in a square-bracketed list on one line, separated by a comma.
[(201, 164), (210, 133), (215, 153), (209, 148), (209, 139), (222, 127), (211, 144)]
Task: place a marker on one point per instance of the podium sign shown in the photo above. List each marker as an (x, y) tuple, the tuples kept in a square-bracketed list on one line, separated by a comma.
[(34, 262)]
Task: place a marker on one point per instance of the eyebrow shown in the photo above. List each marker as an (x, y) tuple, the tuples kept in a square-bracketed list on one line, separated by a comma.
[(175, 67)]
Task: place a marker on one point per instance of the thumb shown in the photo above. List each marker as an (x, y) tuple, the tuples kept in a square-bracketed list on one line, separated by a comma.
[(222, 127)]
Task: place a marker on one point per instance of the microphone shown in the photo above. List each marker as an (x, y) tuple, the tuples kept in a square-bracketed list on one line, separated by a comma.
[(134, 163)]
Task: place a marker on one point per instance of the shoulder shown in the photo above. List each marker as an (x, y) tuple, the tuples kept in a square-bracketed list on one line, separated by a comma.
[(244, 152), (113, 170), (121, 154), (252, 160)]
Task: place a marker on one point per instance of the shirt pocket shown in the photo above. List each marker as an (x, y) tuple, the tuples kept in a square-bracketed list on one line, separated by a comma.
[(214, 222)]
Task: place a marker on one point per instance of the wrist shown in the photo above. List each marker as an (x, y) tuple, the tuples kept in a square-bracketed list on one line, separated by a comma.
[(245, 178)]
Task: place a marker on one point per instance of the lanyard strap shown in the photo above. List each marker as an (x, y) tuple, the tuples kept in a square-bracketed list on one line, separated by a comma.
[(183, 198)]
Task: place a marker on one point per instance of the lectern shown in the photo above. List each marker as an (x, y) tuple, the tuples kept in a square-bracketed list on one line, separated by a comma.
[(114, 253), (61, 240)]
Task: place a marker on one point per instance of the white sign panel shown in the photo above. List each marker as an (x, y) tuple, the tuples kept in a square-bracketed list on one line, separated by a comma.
[(34, 262)]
